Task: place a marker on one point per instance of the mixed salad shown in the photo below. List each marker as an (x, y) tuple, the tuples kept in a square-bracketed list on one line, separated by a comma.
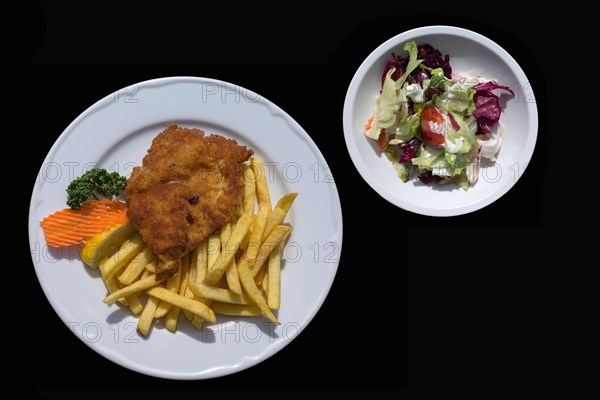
[(432, 123)]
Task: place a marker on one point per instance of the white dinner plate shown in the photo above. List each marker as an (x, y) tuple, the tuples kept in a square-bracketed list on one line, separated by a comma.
[(115, 133)]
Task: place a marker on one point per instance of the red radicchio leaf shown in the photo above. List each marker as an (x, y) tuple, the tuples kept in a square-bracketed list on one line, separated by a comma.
[(430, 56), (453, 122), (487, 107), (433, 58), (391, 64), (489, 85), (410, 149), (428, 177)]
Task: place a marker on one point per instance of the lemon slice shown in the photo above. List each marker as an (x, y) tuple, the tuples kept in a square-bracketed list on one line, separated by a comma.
[(101, 245)]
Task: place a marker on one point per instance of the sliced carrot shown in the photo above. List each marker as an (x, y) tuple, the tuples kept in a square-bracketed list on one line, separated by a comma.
[(383, 141), (369, 123), (68, 227)]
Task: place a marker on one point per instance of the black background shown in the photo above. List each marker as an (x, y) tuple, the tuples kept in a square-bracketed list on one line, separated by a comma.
[(448, 298)]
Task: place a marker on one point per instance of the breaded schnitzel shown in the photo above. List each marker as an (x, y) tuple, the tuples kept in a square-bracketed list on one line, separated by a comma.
[(188, 186)]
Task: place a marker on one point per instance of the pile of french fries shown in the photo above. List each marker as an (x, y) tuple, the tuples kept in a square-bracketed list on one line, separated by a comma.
[(236, 272)]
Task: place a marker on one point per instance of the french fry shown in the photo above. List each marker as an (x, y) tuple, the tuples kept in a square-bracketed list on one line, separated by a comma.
[(173, 314), (197, 320), (277, 216), (246, 240), (189, 295), (264, 283), (260, 276), (225, 233), (171, 318), (201, 262), (113, 286), (126, 253), (133, 302), (136, 266), (151, 267), (233, 281), (237, 310), (145, 321), (262, 187), (249, 190), (219, 294), (201, 256), (173, 286), (277, 236), (194, 306), (231, 275), (216, 270), (197, 323), (273, 276), (135, 305), (198, 267), (286, 201), (214, 251), (146, 273), (250, 288), (134, 287), (193, 270), (184, 273), (257, 233)]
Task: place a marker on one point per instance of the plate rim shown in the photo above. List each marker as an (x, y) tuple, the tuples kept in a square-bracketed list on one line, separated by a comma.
[(352, 90), (217, 371)]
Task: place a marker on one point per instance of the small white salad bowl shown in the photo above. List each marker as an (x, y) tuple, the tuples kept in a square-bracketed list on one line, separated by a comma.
[(474, 54)]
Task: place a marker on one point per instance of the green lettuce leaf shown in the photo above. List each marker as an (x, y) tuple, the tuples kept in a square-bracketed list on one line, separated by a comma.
[(413, 62), (438, 78), (387, 103), (457, 98), (463, 182), (409, 127), (402, 169), (403, 103), (428, 157), (459, 141)]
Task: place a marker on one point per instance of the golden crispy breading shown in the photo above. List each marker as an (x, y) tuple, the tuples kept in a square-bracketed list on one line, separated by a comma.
[(188, 186), (161, 216)]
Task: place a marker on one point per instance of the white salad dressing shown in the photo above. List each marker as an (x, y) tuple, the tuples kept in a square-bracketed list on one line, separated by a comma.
[(415, 93)]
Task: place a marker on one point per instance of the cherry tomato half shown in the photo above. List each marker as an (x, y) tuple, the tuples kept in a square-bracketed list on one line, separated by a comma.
[(433, 126)]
